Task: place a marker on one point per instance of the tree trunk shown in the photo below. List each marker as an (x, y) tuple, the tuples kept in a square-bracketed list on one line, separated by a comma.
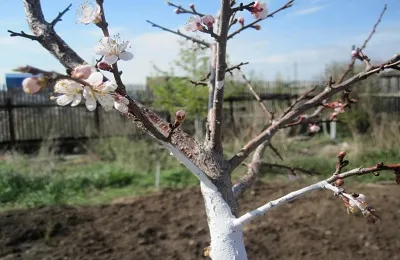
[(226, 239), (198, 128)]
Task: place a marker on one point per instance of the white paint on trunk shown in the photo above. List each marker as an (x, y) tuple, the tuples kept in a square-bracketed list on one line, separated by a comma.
[(220, 84), (272, 204), (226, 239)]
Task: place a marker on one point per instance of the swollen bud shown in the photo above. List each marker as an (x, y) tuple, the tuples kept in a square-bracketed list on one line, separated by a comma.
[(241, 20), (177, 11), (257, 27), (339, 182), (191, 6), (341, 155), (179, 117), (355, 54), (32, 85), (104, 66)]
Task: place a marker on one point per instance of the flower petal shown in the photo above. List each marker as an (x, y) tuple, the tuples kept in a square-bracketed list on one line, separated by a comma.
[(67, 86), (90, 100), (64, 100), (126, 55), (110, 86), (105, 100), (77, 99), (121, 107), (100, 50), (111, 59), (123, 46), (95, 79)]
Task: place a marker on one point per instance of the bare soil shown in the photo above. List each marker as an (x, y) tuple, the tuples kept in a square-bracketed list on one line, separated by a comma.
[(172, 225)]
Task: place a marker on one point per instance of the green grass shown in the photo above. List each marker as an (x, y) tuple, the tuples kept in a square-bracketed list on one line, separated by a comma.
[(99, 182), (118, 167)]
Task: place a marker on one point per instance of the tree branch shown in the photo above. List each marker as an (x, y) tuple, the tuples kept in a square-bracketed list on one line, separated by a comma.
[(177, 32), (103, 25), (203, 82), (351, 65), (182, 10), (269, 114), (285, 6), (320, 185), (24, 35), (58, 17), (215, 141), (48, 38), (316, 101)]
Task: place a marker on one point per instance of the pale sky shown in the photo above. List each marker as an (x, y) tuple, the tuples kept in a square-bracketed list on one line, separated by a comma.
[(312, 33)]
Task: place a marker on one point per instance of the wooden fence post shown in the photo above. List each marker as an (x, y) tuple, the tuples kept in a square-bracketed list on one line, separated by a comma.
[(97, 121), (10, 121)]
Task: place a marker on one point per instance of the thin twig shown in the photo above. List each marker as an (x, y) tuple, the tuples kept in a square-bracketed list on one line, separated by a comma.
[(59, 16), (202, 82), (177, 32), (257, 97), (351, 65), (285, 6), (24, 35), (320, 185), (183, 10), (316, 101), (300, 98)]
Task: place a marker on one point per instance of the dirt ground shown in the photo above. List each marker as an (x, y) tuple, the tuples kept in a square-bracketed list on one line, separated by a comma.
[(172, 225)]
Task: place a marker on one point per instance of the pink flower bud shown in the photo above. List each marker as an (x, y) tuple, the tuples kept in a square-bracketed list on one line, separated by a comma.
[(82, 71), (314, 128), (241, 20), (180, 116), (354, 54), (208, 20), (104, 66), (31, 85)]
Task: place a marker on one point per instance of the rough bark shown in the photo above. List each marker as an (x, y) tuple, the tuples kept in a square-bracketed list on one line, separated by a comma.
[(47, 36)]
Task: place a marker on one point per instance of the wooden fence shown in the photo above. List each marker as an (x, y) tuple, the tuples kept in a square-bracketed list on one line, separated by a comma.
[(34, 118)]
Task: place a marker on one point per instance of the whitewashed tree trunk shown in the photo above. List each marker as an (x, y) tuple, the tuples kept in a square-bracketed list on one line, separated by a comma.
[(226, 239)]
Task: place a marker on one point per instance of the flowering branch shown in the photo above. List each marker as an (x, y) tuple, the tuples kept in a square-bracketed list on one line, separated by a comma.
[(325, 184), (177, 32), (103, 25), (50, 75), (252, 24), (317, 100), (58, 17)]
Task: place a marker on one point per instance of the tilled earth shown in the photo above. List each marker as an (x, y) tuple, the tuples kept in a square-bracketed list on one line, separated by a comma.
[(172, 225)]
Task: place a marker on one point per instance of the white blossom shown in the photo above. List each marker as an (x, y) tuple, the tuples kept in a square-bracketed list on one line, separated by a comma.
[(113, 50), (259, 10), (121, 104), (193, 24), (89, 13), (99, 91), (71, 92)]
